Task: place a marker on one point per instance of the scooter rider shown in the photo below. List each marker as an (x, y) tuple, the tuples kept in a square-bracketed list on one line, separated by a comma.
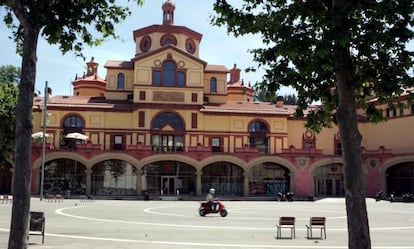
[(211, 199)]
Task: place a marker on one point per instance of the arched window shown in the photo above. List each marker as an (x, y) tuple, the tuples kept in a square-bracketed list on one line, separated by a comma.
[(258, 136), (168, 39), (120, 84), (213, 85), (167, 132), (73, 122), (168, 75)]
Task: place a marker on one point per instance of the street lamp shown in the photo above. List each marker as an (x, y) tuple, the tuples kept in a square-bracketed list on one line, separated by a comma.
[(42, 176)]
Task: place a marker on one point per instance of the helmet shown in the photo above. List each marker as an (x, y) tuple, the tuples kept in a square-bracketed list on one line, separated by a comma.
[(212, 191)]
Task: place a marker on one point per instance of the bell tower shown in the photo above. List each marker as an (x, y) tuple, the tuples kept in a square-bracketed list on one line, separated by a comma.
[(168, 13)]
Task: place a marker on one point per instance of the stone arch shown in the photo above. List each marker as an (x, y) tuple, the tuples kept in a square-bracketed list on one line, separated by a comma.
[(169, 174), (224, 158), (110, 156), (114, 177), (328, 177), (391, 175), (225, 175), (268, 176), (64, 173)]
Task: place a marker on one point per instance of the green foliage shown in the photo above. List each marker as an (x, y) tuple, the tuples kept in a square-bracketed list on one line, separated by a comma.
[(301, 49), (69, 24), (288, 99), (9, 76)]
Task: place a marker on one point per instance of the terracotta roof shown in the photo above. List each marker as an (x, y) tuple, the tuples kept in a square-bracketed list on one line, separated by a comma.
[(119, 64), (87, 102), (239, 84), (216, 68), (249, 107), (167, 29), (90, 78)]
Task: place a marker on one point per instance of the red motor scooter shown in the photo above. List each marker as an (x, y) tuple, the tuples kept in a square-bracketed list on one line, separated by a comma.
[(206, 209)]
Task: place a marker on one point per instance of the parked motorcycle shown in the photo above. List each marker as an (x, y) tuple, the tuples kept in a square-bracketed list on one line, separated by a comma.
[(206, 209)]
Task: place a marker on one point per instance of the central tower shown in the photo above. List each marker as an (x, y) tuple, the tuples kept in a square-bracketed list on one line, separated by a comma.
[(168, 13)]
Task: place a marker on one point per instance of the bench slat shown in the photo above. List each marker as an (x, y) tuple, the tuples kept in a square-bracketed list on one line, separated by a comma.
[(316, 223), (286, 222)]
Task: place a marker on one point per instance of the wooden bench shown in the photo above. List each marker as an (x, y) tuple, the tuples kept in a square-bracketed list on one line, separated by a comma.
[(316, 223), (37, 224), (286, 222)]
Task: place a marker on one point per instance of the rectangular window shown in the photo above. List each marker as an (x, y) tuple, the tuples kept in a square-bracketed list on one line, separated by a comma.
[(194, 97), (308, 145), (118, 143), (181, 78), (215, 144), (194, 120), (156, 77), (142, 95), (141, 119)]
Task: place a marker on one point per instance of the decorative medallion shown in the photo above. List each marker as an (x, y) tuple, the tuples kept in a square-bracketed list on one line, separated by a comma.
[(157, 63), (181, 64), (373, 162), (309, 134), (302, 162)]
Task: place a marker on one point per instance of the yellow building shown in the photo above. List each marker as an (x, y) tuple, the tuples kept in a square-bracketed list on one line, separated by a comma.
[(168, 122)]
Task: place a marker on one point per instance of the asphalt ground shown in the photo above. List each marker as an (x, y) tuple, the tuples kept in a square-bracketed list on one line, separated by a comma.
[(102, 224)]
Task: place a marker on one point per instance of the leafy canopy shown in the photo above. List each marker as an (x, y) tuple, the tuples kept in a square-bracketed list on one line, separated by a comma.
[(300, 40), (9, 77), (69, 24)]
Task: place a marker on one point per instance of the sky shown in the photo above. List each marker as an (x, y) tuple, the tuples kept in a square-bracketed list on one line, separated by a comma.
[(217, 47)]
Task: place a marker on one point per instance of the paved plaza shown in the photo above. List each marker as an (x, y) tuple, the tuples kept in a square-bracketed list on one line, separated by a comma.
[(102, 224)]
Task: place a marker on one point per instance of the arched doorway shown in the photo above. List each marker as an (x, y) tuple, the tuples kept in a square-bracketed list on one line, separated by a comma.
[(63, 175), (329, 180), (400, 179), (268, 179), (5, 178), (114, 178), (225, 177), (168, 177)]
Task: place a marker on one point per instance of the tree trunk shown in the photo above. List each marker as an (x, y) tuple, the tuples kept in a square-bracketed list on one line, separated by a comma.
[(22, 170), (357, 217)]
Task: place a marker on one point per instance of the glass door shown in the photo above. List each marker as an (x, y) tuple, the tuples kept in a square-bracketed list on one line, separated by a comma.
[(168, 185), (330, 187)]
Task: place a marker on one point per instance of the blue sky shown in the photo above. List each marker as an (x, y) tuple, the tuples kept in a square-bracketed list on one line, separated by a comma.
[(216, 46)]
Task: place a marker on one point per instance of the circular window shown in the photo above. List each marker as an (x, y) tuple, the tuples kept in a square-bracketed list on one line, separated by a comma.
[(168, 40), (145, 44), (190, 45)]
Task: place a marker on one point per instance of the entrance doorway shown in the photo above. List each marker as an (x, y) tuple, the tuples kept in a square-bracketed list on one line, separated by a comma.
[(330, 187), (329, 180), (168, 185)]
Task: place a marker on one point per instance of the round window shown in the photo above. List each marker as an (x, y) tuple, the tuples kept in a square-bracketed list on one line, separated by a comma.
[(145, 44), (190, 46)]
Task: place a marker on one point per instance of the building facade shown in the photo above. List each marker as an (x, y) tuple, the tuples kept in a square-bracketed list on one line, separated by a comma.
[(168, 122)]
